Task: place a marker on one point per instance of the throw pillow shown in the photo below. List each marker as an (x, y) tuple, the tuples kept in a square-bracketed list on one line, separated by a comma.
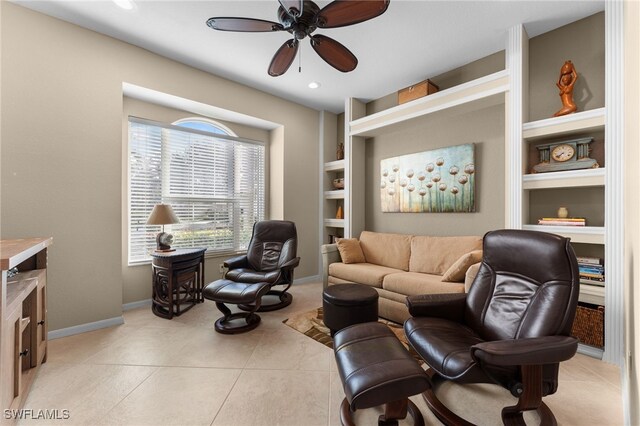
[(457, 271), (350, 250)]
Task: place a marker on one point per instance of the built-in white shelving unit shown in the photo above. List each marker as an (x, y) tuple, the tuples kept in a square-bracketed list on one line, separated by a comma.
[(584, 121), (334, 166), (337, 194), (473, 95), (334, 223), (510, 87), (578, 234), (566, 179), (606, 120), (332, 199), (590, 293)]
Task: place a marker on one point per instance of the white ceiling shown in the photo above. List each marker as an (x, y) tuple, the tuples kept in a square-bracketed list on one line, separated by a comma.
[(413, 40)]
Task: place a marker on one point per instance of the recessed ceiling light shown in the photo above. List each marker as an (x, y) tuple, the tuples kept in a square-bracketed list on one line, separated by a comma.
[(125, 4), (314, 85)]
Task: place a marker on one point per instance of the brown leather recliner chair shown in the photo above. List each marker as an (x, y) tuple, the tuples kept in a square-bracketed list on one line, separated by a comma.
[(512, 328), (271, 258)]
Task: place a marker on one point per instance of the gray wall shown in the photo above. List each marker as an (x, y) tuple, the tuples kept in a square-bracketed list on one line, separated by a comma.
[(582, 42), (485, 128), (62, 149)]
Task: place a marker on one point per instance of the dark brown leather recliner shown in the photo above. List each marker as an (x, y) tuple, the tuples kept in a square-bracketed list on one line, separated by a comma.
[(512, 328), (271, 258)]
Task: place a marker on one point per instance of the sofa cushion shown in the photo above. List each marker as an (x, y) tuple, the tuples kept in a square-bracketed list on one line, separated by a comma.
[(458, 270), (434, 255), (413, 283), (350, 251), (390, 250), (362, 273)]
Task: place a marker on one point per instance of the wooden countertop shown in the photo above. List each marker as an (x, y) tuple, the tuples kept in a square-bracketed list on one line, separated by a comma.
[(13, 252)]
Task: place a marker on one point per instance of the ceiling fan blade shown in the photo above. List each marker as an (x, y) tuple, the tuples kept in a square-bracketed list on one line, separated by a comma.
[(283, 58), (334, 53), (341, 13), (247, 25), (293, 7)]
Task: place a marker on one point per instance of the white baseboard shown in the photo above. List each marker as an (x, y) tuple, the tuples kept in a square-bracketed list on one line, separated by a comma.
[(83, 328), (134, 305), (307, 280)]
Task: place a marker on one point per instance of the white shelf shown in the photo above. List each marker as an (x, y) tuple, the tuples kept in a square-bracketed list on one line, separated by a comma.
[(591, 351), (334, 166), (578, 234), (337, 194), (334, 223), (591, 294), (476, 94), (557, 126), (567, 179)]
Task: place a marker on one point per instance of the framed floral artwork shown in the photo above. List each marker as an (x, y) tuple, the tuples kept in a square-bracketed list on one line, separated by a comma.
[(437, 181)]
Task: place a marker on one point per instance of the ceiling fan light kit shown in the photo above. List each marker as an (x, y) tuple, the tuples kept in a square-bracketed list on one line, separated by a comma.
[(301, 18)]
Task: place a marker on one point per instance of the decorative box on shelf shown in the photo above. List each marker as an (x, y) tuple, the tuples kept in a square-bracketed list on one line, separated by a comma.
[(416, 91)]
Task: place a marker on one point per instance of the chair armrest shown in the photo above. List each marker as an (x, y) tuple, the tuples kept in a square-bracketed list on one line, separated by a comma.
[(531, 351), (445, 305), (471, 275), (291, 263), (330, 254), (236, 262)]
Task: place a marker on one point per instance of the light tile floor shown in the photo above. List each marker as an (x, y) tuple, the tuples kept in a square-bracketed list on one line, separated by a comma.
[(152, 371)]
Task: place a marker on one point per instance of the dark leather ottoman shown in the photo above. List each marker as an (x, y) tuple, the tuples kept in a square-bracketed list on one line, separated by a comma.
[(375, 369), (349, 304), (226, 291)]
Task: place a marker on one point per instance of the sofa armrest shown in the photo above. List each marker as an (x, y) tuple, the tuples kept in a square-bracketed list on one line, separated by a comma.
[(445, 305), (330, 254), (471, 275)]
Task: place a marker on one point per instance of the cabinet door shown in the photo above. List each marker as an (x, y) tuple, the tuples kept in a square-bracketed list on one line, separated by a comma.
[(41, 328), (11, 360)]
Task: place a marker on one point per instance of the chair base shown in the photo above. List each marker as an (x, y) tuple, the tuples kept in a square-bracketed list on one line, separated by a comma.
[(225, 326), (511, 416), (393, 411), (285, 300)]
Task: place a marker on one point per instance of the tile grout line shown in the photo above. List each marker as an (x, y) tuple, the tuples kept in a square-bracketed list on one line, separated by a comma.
[(242, 369), (155, 370), (226, 398)]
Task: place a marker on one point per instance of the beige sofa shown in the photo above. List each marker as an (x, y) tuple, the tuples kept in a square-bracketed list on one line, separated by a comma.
[(400, 265)]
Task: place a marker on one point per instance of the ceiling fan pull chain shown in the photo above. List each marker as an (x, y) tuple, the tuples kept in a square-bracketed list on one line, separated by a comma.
[(300, 61)]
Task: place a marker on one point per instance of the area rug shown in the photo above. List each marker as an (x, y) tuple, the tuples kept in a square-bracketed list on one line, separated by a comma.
[(311, 324)]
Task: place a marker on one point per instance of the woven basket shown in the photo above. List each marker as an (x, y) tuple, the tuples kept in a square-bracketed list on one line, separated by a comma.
[(588, 326)]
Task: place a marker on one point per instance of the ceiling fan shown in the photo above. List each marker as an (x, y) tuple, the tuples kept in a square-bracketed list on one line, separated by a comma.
[(301, 19)]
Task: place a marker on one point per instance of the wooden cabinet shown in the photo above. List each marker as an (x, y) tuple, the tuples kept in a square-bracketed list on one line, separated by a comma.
[(23, 317)]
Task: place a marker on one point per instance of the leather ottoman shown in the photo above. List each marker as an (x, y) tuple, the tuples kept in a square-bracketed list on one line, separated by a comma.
[(226, 291), (375, 369), (349, 304)]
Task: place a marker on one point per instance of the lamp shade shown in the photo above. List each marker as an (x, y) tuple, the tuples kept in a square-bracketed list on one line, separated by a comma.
[(162, 214)]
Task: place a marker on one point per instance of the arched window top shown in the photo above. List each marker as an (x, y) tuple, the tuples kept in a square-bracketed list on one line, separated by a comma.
[(205, 125)]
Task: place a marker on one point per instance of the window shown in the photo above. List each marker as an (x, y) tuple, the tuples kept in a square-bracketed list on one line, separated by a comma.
[(213, 180)]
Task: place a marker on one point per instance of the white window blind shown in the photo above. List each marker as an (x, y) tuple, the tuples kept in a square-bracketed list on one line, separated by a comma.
[(215, 184)]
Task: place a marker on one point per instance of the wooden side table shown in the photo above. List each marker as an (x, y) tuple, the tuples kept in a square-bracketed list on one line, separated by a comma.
[(178, 279)]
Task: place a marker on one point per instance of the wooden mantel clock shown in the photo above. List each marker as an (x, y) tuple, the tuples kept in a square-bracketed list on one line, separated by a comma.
[(565, 155)]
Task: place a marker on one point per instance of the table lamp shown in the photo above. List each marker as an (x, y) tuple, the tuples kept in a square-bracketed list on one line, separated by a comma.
[(162, 214)]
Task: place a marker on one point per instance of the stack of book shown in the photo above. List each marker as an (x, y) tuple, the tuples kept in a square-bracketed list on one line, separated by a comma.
[(591, 270), (563, 221)]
